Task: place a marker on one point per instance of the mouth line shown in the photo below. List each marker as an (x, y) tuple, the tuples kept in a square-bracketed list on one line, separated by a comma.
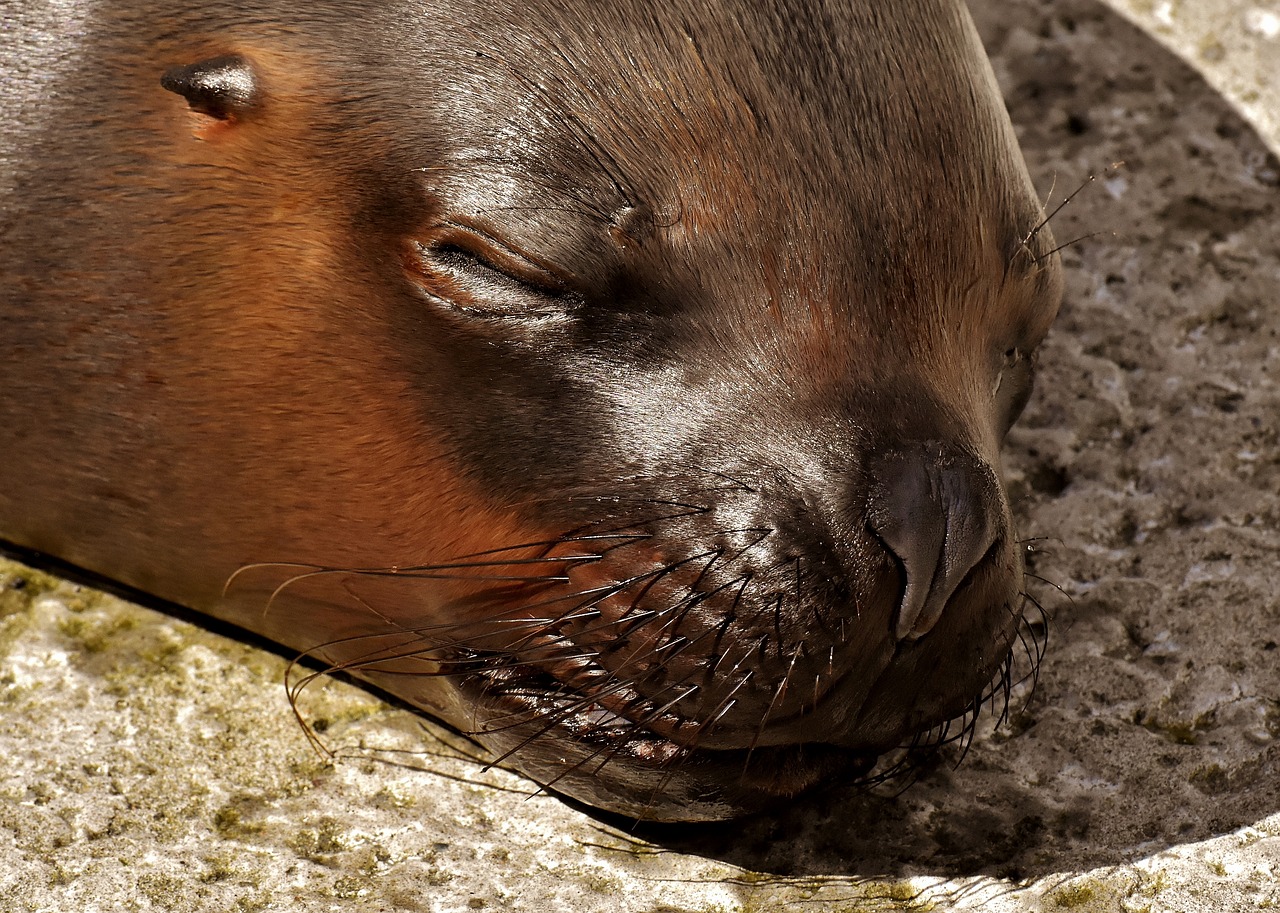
[(578, 730), (552, 708), (619, 764), (531, 701), (527, 703)]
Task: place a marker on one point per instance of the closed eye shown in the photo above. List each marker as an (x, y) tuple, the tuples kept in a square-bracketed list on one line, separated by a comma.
[(476, 276)]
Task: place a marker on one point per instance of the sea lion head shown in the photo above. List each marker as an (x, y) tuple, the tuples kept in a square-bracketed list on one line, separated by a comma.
[(727, 317), (739, 334)]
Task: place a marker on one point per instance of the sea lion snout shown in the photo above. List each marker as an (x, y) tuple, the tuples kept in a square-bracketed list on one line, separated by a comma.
[(937, 509), (727, 610)]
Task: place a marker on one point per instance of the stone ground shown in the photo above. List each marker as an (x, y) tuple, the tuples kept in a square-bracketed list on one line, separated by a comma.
[(152, 765)]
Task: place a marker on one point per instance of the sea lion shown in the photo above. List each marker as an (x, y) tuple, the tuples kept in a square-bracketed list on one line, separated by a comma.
[(621, 383)]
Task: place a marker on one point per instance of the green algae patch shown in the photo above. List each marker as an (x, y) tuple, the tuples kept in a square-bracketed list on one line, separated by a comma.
[(321, 842), (1211, 779), (232, 819), (21, 588), (225, 865), (900, 892), (166, 892), (1073, 896), (95, 633), (601, 883), (256, 902), (350, 887), (391, 797), (1175, 730)]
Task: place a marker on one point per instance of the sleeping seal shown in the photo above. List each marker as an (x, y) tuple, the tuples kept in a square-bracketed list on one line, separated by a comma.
[(621, 383)]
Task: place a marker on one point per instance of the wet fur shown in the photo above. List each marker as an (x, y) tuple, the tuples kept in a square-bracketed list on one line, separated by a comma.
[(620, 341)]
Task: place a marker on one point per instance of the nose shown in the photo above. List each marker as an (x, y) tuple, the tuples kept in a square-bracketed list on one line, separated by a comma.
[(938, 509)]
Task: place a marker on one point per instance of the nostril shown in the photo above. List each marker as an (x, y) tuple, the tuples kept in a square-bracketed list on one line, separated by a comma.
[(937, 509)]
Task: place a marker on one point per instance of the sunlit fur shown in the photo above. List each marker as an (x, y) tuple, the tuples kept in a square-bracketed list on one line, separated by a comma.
[(621, 383)]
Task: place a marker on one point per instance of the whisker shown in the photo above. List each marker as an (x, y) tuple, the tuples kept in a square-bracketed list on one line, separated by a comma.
[(1064, 246), (1026, 241)]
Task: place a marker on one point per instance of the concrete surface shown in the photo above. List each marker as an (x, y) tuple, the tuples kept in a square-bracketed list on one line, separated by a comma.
[(150, 764)]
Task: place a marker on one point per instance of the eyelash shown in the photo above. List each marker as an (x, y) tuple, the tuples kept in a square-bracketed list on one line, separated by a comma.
[(481, 287)]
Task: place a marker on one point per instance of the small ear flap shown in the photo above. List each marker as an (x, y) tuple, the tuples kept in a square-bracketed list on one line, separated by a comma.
[(222, 87)]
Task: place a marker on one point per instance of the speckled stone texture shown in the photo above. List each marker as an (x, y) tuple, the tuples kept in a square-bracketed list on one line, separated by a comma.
[(150, 764)]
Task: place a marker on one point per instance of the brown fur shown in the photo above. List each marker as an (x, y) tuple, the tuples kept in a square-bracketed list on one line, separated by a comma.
[(545, 314)]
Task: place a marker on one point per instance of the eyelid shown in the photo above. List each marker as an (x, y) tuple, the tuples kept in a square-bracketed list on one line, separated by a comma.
[(500, 257), (471, 273)]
